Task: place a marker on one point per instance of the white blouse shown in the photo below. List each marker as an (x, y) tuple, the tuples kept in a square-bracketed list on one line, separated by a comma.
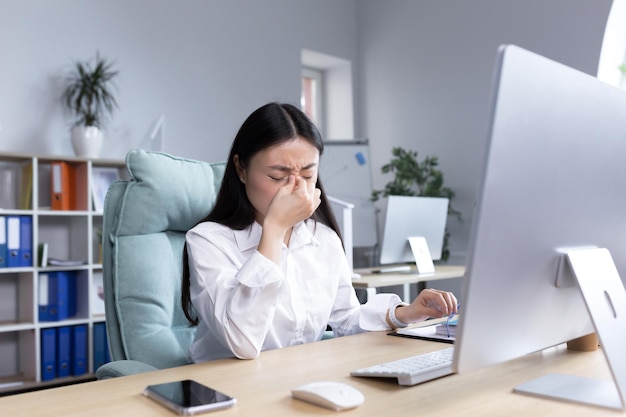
[(246, 303)]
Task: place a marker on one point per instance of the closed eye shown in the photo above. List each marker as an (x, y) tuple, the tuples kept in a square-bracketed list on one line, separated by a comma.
[(278, 179)]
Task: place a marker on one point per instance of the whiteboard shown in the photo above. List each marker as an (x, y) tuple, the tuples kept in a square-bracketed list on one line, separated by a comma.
[(345, 172)]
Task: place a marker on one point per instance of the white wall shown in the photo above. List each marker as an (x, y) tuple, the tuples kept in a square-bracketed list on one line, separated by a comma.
[(423, 69), (204, 64), (426, 70)]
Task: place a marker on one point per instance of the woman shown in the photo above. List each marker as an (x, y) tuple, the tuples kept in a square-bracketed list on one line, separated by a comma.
[(266, 268)]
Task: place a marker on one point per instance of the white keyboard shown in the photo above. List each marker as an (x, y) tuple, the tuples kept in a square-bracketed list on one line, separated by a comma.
[(413, 370)]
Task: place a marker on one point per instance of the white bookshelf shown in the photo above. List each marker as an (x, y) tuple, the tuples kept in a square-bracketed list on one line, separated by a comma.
[(71, 235)]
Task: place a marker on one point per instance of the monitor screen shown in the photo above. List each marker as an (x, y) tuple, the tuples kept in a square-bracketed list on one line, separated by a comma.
[(554, 178), (408, 216)]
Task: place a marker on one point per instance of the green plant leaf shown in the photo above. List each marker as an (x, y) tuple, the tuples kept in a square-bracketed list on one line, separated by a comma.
[(89, 91)]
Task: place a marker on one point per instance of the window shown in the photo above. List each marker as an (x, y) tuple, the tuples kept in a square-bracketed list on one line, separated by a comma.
[(327, 93), (312, 94)]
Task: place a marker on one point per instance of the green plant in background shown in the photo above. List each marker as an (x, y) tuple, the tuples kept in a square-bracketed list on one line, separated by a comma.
[(413, 177), (89, 94), (622, 68)]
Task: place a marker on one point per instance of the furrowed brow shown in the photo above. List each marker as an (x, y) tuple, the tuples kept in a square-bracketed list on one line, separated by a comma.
[(286, 169)]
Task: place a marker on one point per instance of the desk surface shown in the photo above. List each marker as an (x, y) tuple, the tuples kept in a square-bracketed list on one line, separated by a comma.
[(262, 386), (376, 280)]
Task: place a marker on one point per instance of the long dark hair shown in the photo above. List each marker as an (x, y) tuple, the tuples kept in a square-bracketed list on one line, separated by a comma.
[(267, 126)]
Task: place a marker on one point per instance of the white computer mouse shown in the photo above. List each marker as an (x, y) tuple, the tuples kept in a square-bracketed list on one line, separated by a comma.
[(334, 395)]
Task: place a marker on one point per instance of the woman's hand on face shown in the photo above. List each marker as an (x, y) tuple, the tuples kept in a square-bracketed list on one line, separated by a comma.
[(429, 303), (296, 201)]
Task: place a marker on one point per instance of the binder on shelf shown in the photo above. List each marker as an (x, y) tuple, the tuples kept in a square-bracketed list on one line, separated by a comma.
[(81, 191), (63, 285), (3, 242), (100, 345), (48, 354), (43, 298), (78, 363), (8, 185), (13, 241), (60, 186), (71, 279), (26, 188), (68, 186), (42, 254), (58, 289), (26, 241), (63, 351)]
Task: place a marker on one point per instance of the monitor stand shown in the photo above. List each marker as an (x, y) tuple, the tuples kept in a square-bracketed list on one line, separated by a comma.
[(605, 297), (421, 253)]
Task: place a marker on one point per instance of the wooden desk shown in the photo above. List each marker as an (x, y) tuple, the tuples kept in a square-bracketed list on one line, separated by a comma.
[(371, 281), (262, 386)]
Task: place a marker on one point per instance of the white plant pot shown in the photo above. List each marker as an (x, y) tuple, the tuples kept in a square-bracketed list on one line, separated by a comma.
[(87, 141)]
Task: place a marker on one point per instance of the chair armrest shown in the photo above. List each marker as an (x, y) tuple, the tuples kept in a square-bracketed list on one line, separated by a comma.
[(123, 368)]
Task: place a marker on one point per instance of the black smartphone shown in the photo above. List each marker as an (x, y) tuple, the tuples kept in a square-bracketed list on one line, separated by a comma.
[(188, 397)]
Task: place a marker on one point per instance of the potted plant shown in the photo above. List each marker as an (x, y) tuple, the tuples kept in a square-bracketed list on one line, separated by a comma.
[(89, 97), (417, 178)]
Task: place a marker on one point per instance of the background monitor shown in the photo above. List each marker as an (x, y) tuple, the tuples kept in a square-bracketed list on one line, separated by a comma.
[(554, 178), (408, 216)]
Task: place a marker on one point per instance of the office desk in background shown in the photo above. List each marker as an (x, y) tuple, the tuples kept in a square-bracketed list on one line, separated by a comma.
[(263, 386), (371, 281)]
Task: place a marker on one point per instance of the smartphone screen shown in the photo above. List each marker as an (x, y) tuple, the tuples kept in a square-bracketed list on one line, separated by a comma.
[(188, 397)]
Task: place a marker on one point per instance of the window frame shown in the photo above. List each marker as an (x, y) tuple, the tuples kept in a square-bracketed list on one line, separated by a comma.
[(317, 95)]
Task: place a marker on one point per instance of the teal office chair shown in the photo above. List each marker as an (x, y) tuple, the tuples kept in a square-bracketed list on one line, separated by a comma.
[(145, 220)]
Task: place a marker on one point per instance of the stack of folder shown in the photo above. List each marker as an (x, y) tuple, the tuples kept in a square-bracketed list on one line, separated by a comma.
[(16, 241), (63, 352), (448, 328), (57, 295)]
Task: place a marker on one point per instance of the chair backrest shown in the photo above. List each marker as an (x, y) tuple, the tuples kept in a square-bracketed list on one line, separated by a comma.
[(145, 220)]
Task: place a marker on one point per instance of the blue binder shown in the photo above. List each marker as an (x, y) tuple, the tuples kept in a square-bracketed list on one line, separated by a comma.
[(48, 354), (78, 362), (63, 351), (44, 297), (69, 280), (100, 345), (13, 241), (61, 296), (3, 242), (25, 251)]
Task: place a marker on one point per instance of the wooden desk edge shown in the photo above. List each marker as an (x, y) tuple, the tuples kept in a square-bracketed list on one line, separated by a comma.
[(376, 280)]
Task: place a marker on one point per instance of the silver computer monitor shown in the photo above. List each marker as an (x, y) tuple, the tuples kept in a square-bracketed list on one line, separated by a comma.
[(554, 179), (408, 216)]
